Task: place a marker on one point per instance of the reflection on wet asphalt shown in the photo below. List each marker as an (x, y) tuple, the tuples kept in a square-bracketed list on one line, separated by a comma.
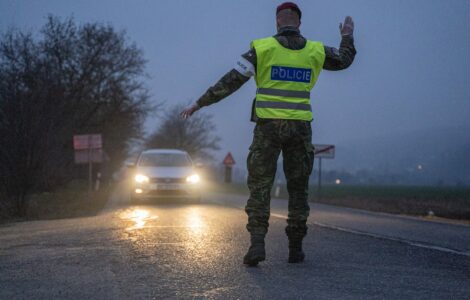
[(195, 251), (184, 235), (140, 217)]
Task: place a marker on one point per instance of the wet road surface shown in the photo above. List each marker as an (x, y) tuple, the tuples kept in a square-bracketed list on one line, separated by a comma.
[(192, 251)]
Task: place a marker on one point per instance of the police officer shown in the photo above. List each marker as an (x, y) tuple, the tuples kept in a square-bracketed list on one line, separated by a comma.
[(286, 68)]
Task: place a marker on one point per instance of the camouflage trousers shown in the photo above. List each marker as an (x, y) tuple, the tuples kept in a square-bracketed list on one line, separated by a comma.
[(294, 139)]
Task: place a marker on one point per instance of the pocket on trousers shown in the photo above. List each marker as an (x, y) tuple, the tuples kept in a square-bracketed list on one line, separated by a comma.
[(310, 155)]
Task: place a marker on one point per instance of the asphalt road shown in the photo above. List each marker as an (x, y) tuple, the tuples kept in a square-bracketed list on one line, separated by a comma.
[(195, 251)]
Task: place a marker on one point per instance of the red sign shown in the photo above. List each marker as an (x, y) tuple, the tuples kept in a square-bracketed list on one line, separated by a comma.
[(324, 151), (228, 160), (87, 141), (87, 156)]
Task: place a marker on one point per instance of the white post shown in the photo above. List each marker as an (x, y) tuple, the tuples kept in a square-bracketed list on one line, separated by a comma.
[(277, 191), (90, 166), (97, 183)]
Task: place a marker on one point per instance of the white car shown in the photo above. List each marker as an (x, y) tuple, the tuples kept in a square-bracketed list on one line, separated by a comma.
[(165, 173)]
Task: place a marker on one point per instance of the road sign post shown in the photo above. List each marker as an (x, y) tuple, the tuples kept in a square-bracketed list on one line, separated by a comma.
[(319, 178), (323, 151), (88, 149), (228, 162)]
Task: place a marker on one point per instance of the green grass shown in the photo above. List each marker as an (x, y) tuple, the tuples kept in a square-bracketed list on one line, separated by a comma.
[(393, 192), (69, 201), (447, 202)]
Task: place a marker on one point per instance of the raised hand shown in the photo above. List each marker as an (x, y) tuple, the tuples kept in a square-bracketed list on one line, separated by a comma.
[(188, 111), (348, 27)]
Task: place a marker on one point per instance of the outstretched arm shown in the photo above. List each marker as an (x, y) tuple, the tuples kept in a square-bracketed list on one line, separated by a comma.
[(228, 84), (335, 59)]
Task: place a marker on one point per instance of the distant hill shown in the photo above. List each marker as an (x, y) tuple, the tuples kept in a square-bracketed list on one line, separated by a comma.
[(438, 155)]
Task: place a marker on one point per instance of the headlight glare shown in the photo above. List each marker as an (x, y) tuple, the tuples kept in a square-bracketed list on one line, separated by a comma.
[(193, 178), (141, 178)]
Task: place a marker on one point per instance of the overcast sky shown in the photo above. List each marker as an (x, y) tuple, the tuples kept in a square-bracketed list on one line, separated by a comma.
[(410, 72)]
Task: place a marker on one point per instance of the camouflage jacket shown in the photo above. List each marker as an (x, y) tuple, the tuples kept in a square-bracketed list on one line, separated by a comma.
[(289, 37)]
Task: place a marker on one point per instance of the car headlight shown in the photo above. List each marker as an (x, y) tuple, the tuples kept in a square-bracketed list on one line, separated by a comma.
[(141, 178), (193, 178)]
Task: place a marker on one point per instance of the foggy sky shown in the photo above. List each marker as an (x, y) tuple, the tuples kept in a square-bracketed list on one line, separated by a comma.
[(410, 72)]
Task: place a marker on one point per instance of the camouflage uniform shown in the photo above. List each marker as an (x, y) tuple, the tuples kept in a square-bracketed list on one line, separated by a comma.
[(294, 139), (271, 136)]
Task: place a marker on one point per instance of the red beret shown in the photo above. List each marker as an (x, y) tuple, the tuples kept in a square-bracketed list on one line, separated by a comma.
[(290, 5)]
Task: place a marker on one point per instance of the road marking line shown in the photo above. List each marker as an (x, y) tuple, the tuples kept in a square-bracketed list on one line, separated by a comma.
[(279, 216), (378, 236)]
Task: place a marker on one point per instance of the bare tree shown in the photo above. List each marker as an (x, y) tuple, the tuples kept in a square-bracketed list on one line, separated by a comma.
[(196, 135), (75, 79)]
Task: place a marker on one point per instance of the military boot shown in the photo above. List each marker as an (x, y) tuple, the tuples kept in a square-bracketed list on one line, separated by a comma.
[(256, 252), (296, 254)]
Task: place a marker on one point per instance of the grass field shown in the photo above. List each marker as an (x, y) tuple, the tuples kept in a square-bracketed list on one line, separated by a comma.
[(447, 202), (70, 201)]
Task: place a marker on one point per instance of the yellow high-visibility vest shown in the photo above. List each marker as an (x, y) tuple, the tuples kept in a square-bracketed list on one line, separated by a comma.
[(285, 77)]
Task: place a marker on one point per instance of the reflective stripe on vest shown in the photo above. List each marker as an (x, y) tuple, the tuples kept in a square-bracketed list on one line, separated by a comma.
[(283, 93), (283, 105), (285, 77)]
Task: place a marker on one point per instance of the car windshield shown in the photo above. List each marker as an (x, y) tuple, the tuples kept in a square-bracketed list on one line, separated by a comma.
[(164, 160)]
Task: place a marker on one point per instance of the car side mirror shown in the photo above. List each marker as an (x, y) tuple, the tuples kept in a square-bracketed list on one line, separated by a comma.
[(130, 165), (198, 165)]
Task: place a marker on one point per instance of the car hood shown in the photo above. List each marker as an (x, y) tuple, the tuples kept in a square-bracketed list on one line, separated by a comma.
[(166, 172)]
